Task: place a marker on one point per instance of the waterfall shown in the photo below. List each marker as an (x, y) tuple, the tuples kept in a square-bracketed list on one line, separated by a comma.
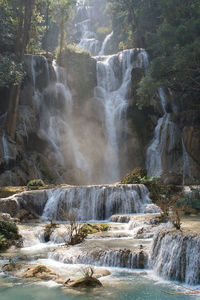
[(175, 256), (161, 154), (88, 38), (6, 152), (119, 258), (186, 163), (105, 43), (96, 202), (113, 82)]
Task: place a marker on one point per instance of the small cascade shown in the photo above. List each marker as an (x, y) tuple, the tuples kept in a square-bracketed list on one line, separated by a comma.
[(105, 44), (176, 257), (6, 153), (186, 163), (96, 202), (161, 154), (118, 258), (32, 236), (88, 38)]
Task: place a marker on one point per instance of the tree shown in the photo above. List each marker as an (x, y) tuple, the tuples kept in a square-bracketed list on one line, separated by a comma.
[(61, 12), (24, 16)]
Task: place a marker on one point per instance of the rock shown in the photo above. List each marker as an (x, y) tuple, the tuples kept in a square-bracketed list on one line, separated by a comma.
[(86, 282), (120, 218), (12, 267), (5, 217), (22, 215), (9, 206), (40, 272)]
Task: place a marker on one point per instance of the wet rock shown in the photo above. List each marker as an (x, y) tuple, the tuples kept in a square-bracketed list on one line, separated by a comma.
[(9, 206), (86, 282), (40, 272), (24, 216), (11, 267), (120, 219), (5, 217)]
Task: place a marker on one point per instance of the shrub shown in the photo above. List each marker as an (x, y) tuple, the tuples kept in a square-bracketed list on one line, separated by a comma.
[(35, 182), (3, 242), (8, 234), (138, 175)]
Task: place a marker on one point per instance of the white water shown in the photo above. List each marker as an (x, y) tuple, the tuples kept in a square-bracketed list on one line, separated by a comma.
[(161, 154), (6, 153), (96, 202), (105, 43), (186, 163), (176, 257)]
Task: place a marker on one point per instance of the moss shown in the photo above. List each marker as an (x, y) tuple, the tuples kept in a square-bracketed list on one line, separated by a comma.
[(135, 176), (35, 182), (89, 228), (8, 191)]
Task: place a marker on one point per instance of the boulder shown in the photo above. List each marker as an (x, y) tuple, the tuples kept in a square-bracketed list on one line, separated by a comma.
[(40, 272), (86, 282), (11, 267)]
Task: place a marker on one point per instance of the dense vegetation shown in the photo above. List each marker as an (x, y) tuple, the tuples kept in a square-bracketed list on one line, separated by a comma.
[(8, 234), (25, 28), (169, 31)]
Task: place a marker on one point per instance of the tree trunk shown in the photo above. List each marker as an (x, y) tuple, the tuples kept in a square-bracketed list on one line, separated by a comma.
[(22, 39)]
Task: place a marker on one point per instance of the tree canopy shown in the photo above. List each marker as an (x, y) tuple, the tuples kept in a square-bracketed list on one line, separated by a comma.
[(170, 31)]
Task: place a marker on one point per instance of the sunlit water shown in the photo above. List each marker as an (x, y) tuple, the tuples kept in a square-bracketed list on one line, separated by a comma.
[(121, 285)]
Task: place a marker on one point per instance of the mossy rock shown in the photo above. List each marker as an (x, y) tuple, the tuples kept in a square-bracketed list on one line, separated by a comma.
[(7, 191), (40, 272), (86, 282), (35, 183), (89, 228), (135, 176)]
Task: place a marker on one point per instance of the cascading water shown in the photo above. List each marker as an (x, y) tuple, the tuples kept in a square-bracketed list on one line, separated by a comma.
[(122, 258), (176, 257), (111, 92), (96, 202), (161, 154), (105, 44), (6, 153)]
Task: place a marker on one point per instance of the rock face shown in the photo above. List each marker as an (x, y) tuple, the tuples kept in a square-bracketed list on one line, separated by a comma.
[(175, 256)]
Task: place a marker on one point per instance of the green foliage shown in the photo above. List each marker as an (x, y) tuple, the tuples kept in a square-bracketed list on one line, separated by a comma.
[(10, 72), (35, 182), (138, 175), (102, 32), (89, 228), (3, 242), (169, 30), (8, 234), (8, 229), (192, 200)]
